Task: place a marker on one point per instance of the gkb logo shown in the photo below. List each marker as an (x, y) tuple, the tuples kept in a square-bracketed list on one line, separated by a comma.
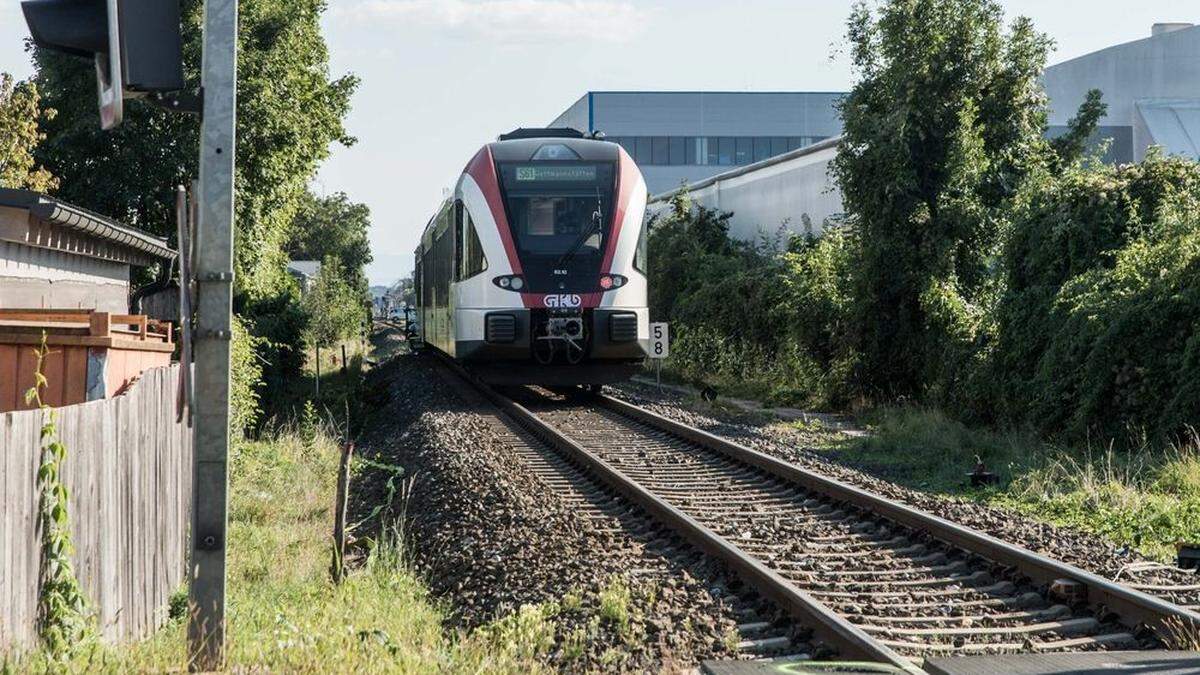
[(556, 301)]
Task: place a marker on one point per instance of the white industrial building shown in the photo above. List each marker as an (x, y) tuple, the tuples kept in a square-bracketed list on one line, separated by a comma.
[(1151, 86), (792, 190), (678, 136)]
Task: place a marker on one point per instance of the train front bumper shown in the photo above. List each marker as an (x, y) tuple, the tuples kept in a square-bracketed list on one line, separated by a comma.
[(615, 334)]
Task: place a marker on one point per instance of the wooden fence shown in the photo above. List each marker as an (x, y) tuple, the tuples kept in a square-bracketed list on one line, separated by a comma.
[(128, 471)]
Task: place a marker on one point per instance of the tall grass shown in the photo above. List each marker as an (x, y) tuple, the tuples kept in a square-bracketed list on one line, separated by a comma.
[(1146, 498), (284, 613)]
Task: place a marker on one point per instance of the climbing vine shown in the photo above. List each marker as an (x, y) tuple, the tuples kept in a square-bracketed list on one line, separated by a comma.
[(62, 608)]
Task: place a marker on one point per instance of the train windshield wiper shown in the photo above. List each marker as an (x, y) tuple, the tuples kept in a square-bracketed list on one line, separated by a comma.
[(593, 228)]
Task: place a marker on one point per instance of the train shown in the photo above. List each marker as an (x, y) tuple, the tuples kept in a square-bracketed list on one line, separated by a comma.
[(533, 269)]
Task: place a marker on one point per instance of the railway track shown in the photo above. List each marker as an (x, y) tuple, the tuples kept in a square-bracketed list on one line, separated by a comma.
[(763, 630), (871, 578)]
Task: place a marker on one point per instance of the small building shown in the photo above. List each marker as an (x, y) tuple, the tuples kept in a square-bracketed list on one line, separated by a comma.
[(304, 271), (65, 277)]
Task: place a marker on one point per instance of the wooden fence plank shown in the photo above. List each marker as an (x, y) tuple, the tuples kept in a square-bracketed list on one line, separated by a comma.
[(29, 522), (7, 460), (128, 473)]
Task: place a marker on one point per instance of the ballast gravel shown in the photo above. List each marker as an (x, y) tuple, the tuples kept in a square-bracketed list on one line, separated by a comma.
[(490, 538), (1082, 549)]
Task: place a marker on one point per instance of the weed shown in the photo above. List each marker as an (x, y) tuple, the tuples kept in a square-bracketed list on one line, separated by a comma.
[(571, 601), (63, 619), (525, 636), (731, 639), (177, 605), (614, 603)]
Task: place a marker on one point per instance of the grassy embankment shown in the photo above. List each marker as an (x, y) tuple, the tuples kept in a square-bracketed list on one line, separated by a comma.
[(1146, 498), (286, 615)]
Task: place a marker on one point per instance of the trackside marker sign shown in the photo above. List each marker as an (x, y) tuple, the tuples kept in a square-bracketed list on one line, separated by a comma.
[(660, 340)]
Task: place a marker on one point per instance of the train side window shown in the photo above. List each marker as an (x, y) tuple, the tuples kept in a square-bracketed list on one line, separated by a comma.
[(417, 285), (641, 253), (456, 225), (474, 261)]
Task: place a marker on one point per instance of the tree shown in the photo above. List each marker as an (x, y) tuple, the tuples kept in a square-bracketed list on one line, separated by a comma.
[(335, 309), (945, 122), (20, 113), (1069, 147), (289, 112), (333, 226)]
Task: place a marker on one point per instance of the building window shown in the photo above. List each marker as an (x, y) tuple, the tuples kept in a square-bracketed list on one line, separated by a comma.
[(643, 155), (710, 150), (725, 150), (661, 150), (679, 145), (762, 149), (744, 153)]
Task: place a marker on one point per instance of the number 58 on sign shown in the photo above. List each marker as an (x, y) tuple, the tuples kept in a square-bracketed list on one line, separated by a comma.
[(660, 340)]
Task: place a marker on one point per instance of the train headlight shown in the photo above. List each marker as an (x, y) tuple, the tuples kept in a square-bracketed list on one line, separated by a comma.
[(510, 282), (611, 281)]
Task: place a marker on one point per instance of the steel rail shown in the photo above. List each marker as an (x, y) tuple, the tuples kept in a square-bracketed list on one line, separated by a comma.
[(1133, 607)]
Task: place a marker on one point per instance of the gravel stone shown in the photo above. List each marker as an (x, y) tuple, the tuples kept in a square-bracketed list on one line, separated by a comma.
[(490, 537)]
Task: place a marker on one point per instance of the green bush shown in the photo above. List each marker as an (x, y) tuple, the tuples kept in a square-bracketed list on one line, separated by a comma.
[(278, 323), (1097, 329), (334, 309), (749, 318), (245, 378)]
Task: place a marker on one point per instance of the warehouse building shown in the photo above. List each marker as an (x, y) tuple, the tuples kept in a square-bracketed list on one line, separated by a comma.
[(689, 136), (1151, 86)]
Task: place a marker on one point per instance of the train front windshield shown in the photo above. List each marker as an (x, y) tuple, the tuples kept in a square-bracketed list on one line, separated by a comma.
[(559, 211)]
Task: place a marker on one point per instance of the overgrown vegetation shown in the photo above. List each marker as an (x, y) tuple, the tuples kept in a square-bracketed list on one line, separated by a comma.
[(333, 226), (980, 267), (335, 308), (1143, 497), (62, 612), (284, 613)]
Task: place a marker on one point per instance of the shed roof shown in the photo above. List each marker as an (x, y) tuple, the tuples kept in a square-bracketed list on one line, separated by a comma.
[(86, 222)]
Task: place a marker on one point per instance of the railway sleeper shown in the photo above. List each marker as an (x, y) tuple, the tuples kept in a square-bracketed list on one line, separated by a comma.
[(1107, 641), (1065, 627), (1000, 619)]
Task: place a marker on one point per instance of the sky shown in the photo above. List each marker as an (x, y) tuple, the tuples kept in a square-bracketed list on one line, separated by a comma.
[(440, 78)]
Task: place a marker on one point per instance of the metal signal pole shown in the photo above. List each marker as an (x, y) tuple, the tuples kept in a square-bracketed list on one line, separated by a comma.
[(213, 334)]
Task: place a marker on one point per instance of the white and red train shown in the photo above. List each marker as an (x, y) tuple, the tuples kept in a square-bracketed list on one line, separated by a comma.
[(534, 270)]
